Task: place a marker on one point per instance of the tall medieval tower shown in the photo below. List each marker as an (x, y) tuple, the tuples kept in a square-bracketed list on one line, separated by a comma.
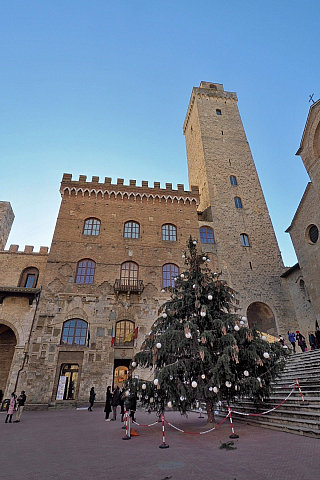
[(232, 203)]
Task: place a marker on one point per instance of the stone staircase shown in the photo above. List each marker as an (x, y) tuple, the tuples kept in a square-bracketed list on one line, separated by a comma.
[(293, 416)]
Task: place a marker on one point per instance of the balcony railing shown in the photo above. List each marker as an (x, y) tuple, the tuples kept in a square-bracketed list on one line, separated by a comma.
[(128, 285)]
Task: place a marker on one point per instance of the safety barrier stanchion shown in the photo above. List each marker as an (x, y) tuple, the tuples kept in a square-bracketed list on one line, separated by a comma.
[(303, 403), (163, 445), (128, 428), (233, 435)]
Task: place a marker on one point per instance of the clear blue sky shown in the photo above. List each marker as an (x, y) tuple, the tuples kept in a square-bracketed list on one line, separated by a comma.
[(101, 88)]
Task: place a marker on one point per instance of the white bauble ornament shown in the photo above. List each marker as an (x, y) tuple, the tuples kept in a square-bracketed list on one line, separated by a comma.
[(146, 397), (215, 389), (163, 291), (241, 322), (183, 255), (246, 373), (151, 400), (194, 242), (208, 260), (215, 273), (203, 376), (155, 381), (194, 286), (210, 389), (164, 315), (127, 393), (235, 387), (237, 328), (263, 337), (244, 319), (182, 275), (181, 398), (259, 379), (266, 355), (134, 364), (158, 345), (203, 314), (204, 258), (210, 297), (188, 335), (171, 377), (228, 384), (285, 346), (143, 386), (170, 404), (194, 384)]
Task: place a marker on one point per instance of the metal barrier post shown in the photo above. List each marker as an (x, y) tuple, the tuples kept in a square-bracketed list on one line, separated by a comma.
[(163, 445), (233, 435), (128, 429)]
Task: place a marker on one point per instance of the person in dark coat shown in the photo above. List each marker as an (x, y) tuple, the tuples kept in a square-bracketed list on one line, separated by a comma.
[(122, 403), (115, 402), (21, 400), (107, 407), (301, 341), (317, 335), (92, 398), (131, 404), (11, 407)]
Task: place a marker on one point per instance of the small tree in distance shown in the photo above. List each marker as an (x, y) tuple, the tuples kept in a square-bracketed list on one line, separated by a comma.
[(199, 351)]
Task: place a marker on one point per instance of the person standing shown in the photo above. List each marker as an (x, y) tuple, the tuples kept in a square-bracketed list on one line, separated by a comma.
[(122, 403), (115, 402), (292, 340), (107, 407), (21, 400), (92, 398), (11, 407), (301, 341)]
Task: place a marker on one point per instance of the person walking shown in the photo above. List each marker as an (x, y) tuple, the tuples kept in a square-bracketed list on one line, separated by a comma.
[(292, 340), (21, 400), (115, 402), (107, 407), (92, 398), (301, 341), (11, 407)]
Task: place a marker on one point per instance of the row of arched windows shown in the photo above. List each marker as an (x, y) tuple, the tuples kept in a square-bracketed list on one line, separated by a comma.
[(132, 230), (74, 332), (128, 272)]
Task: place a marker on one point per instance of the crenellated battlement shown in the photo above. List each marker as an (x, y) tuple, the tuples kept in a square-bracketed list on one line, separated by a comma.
[(28, 249), (108, 189)]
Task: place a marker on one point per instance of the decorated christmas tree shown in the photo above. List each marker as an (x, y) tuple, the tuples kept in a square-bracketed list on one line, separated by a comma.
[(200, 350)]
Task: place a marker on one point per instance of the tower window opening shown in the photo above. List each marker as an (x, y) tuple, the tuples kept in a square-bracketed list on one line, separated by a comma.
[(237, 202), (245, 241), (233, 180)]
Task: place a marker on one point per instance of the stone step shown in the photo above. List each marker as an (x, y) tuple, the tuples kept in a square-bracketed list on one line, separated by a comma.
[(306, 431), (285, 414)]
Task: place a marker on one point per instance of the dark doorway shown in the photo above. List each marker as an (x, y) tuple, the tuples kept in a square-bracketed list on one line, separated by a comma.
[(8, 342), (122, 371)]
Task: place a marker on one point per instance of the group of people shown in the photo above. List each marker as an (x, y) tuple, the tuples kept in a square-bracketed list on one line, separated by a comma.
[(16, 404), (114, 399), (314, 340)]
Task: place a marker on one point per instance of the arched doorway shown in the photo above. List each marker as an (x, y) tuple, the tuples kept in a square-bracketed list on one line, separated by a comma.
[(8, 342), (260, 315), (122, 371)]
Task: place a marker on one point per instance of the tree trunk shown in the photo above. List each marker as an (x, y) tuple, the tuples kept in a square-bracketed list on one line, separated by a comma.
[(210, 411)]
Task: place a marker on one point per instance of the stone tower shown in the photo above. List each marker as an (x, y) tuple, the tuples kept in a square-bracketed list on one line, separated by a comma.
[(232, 202), (6, 221)]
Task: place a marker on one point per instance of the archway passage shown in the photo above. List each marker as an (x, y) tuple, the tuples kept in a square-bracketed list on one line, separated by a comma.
[(122, 371), (8, 342), (260, 315)]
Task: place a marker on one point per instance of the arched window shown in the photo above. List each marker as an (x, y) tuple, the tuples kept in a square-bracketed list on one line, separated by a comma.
[(131, 230), (124, 333), (29, 277), (233, 180), (169, 273), (244, 240), (237, 202), (129, 272), (85, 271), (74, 332), (206, 235), (91, 226), (169, 232)]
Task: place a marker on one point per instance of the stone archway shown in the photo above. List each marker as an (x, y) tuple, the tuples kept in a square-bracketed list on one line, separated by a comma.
[(260, 315), (8, 342)]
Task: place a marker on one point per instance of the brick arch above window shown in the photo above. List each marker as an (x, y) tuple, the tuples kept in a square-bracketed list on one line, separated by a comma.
[(29, 277), (74, 332), (85, 271), (91, 226), (169, 232), (131, 229)]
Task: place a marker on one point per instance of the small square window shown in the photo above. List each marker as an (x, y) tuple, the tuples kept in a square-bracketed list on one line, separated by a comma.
[(218, 111)]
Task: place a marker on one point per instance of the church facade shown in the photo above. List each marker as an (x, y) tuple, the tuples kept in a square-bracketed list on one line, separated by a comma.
[(73, 317)]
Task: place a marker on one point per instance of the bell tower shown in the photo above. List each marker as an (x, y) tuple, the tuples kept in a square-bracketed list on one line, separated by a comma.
[(220, 163)]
